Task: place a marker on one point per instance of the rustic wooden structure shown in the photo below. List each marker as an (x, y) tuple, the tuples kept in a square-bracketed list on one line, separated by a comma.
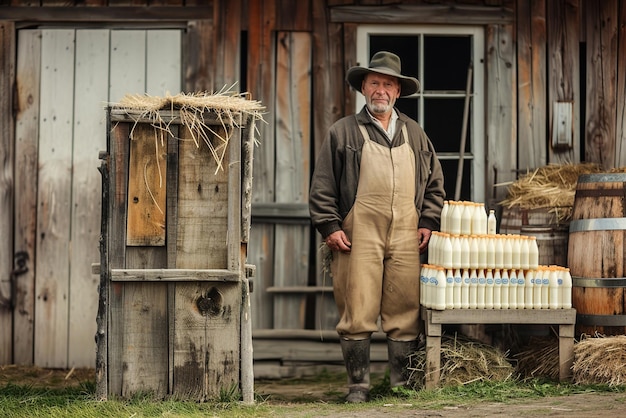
[(174, 314), (434, 320), (552, 84)]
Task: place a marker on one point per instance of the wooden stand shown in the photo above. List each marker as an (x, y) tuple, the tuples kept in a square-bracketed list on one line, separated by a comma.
[(174, 314), (564, 318)]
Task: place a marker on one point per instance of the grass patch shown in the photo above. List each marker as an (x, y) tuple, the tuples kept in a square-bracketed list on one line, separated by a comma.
[(320, 395)]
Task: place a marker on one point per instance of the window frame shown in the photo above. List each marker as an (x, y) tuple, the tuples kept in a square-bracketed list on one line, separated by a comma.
[(477, 106)]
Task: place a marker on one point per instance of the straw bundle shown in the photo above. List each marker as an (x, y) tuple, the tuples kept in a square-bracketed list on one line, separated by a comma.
[(552, 186), (193, 110), (463, 361), (540, 358), (600, 360)]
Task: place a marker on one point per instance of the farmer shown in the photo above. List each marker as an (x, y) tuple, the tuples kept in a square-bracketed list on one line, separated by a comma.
[(376, 195)]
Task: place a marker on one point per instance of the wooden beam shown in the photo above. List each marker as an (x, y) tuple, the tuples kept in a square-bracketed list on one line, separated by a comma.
[(174, 275), (300, 289), (448, 14), (105, 14), (7, 75)]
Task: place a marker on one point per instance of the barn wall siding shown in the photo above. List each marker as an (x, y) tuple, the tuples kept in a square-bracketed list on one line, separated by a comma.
[(295, 55)]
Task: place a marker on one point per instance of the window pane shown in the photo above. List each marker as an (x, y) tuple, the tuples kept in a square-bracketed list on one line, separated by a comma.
[(407, 48), (446, 60), (443, 122), (404, 46)]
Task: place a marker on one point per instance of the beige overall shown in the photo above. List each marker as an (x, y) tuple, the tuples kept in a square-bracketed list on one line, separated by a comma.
[(380, 276)]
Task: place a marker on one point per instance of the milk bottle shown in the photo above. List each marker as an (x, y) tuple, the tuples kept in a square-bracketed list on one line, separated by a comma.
[(489, 289)]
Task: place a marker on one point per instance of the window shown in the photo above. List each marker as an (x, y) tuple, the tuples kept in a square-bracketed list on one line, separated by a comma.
[(440, 58)]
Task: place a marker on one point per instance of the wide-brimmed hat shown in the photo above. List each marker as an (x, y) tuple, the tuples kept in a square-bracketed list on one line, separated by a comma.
[(386, 63)]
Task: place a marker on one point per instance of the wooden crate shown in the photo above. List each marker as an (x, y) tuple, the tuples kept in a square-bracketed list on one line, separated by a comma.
[(173, 315)]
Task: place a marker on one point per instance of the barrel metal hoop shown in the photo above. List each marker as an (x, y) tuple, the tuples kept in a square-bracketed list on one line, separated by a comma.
[(598, 282), (602, 178), (597, 224), (600, 193), (601, 320)]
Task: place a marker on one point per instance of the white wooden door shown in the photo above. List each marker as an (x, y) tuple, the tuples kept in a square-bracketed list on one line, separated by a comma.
[(73, 73)]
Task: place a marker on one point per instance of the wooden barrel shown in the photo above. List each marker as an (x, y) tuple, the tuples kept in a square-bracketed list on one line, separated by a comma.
[(514, 218), (551, 241), (596, 253)]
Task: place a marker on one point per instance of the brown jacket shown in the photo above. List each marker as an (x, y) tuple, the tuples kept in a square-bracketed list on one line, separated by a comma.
[(336, 174)]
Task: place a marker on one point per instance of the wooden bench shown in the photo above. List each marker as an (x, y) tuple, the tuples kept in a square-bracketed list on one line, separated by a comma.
[(433, 319)]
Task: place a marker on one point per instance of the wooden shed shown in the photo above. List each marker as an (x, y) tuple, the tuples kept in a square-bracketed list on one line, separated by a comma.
[(544, 80)]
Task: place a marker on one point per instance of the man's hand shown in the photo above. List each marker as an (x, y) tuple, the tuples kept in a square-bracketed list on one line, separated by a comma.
[(424, 236), (338, 241)]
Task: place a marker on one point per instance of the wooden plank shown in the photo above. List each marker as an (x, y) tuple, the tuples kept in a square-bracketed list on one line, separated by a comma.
[(318, 351), (145, 333), (501, 125), (202, 205), (92, 63), (564, 78), (119, 144), (293, 16), (102, 269), (26, 151), (424, 14), (328, 74), (350, 60), (261, 53), (330, 61), (620, 151), (7, 203), (260, 253), (531, 84), (235, 262), (163, 61), (171, 235), (299, 289), (503, 316), (146, 186), (601, 22), (198, 37), (206, 341), (293, 166), (172, 274), (226, 62), (128, 63), (260, 82), (54, 199)]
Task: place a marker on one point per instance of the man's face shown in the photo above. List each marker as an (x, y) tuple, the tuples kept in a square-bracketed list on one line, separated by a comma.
[(380, 92)]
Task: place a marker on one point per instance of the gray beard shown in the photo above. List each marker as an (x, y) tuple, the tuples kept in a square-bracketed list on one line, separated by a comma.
[(378, 109)]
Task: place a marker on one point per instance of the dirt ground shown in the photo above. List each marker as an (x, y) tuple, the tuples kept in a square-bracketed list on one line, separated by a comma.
[(288, 396)]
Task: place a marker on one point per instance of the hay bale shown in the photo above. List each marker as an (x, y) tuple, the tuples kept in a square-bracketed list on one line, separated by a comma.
[(552, 187), (462, 361), (539, 358), (600, 360)]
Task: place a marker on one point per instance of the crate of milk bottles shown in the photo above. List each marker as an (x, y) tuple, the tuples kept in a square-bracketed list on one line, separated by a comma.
[(471, 266)]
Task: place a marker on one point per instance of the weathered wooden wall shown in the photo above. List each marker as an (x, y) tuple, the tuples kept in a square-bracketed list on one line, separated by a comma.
[(293, 59)]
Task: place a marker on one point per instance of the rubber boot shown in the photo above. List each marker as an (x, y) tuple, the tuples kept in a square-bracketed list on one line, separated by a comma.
[(398, 353), (356, 356)]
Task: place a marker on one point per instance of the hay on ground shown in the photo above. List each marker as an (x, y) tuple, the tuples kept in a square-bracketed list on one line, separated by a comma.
[(600, 360), (539, 358), (463, 361)]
